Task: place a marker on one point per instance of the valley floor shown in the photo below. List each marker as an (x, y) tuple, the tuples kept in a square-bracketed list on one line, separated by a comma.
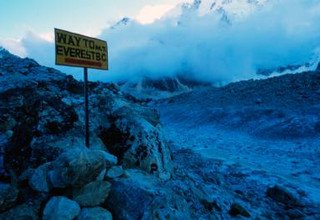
[(294, 161)]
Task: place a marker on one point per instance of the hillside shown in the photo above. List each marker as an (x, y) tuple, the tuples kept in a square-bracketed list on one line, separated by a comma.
[(138, 165), (270, 126)]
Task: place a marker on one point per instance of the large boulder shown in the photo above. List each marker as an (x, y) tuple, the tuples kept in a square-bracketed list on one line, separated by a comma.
[(94, 213), (92, 194), (60, 208), (141, 196), (129, 200), (77, 167), (134, 136)]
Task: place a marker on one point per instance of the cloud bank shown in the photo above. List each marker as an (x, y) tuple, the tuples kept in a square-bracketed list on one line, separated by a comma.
[(208, 46)]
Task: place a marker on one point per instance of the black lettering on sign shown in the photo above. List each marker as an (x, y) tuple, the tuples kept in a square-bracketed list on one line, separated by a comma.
[(59, 50), (62, 38), (78, 39), (85, 42), (91, 44)]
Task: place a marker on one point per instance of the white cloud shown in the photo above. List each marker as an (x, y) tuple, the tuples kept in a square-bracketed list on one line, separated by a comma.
[(150, 13), (14, 46), (200, 46)]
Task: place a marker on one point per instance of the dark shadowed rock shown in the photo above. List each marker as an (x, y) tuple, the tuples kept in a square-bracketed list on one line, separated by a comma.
[(23, 211), (282, 195), (18, 151), (92, 194), (94, 214), (238, 210), (60, 208), (8, 196)]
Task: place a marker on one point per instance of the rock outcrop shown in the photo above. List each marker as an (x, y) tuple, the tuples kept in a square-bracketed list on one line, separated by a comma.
[(42, 152)]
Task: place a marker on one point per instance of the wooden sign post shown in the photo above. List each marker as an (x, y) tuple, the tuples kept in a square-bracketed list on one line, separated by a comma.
[(81, 51)]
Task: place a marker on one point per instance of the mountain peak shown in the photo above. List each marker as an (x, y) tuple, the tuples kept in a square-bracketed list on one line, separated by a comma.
[(123, 22)]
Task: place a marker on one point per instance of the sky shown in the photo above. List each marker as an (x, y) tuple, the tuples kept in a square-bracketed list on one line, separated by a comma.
[(85, 16), (249, 36)]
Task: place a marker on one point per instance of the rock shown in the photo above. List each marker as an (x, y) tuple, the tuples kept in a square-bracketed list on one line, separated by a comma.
[(8, 196), (56, 116), (282, 195), (25, 176), (136, 142), (141, 196), (114, 172), (128, 200), (95, 213), (20, 212), (61, 208), (210, 205), (110, 159), (39, 179), (44, 153), (77, 167), (236, 210), (92, 194)]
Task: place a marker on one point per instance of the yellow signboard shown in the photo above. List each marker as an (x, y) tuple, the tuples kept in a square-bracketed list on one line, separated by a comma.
[(82, 51)]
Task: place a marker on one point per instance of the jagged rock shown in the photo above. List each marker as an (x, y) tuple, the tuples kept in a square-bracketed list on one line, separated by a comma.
[(282, 195), (61, 208), (236, 210), (8, 196), (92, 194), (94, 213), (77, 167), (136, 142), (39, 178), (114, 172)]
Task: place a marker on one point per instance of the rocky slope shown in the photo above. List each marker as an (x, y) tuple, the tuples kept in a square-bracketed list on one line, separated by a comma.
[(269, 128), (130, 172), (279, 107), (41, 134)]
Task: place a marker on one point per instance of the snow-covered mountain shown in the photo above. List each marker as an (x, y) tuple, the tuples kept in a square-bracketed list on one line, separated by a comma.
[(229, 10)]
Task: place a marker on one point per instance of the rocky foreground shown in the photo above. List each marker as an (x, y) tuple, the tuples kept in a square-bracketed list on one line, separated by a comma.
[(130, 171)]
